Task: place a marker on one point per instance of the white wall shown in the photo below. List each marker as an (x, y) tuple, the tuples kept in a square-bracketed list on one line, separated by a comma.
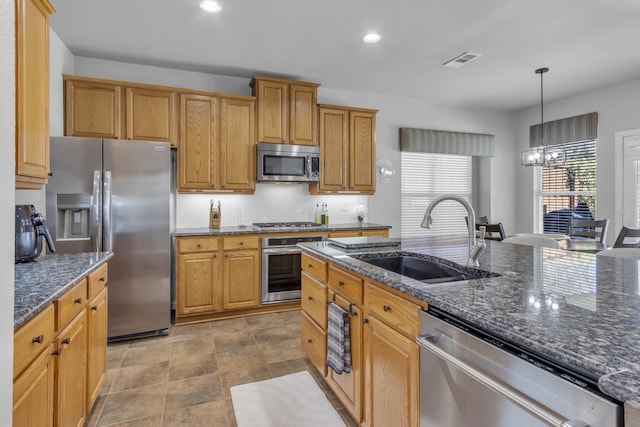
[(7, 210), (617, 109), (384, 206)]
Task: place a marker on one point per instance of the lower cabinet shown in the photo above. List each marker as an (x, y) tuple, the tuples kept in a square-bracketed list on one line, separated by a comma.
[(57, 376), (391, 377)]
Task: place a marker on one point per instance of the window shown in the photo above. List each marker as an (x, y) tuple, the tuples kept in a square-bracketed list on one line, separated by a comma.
[(566, 191), (426, 176)]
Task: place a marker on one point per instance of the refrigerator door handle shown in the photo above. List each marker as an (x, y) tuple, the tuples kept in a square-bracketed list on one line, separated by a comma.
[(95, 211), (106, 212)]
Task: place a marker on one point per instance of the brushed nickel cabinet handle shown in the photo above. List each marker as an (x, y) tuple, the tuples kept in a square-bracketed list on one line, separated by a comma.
[(39, 339)]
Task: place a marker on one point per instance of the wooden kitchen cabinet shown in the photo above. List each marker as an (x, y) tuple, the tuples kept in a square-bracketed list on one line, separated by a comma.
[(286, 111), (58, 376), (216, 147), (241, 272), (347, 150), (121, 110), (198, 271), (32, 93)]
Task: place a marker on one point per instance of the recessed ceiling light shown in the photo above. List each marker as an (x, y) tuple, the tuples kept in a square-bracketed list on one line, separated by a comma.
[(371, 38), (210, 6)]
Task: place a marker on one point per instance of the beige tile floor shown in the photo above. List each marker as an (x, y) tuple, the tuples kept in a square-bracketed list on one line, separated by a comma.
[(183, 379)]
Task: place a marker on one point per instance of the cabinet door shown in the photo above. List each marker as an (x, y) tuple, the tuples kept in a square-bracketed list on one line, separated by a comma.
[(302, 114), (334, 149), (273, 120), (241, 283), (348, 386), (198, 275), (32, 92), (392, 373), (92, 109), (71, 369), (151, 115), (96, 346), (196, 145), (237, 144), (33, 393), (362, 155)]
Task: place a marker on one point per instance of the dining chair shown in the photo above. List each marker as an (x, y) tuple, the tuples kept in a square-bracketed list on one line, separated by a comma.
[(632, 253), (626, 232), (542, 241), (588, 229), (492, 231)]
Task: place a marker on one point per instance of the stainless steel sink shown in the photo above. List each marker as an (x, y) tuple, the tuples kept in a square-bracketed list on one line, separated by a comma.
[(418, 268)]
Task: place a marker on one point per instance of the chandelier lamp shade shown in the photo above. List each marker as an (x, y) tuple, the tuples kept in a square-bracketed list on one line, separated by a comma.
[(543, 155)]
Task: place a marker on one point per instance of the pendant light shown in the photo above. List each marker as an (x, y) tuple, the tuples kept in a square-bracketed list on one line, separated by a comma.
[(542, 155)]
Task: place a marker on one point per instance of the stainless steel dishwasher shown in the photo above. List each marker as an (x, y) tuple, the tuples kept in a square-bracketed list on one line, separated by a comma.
[(470, 378)]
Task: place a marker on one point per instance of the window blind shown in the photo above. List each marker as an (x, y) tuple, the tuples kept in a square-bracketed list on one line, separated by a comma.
[(426, 176), (567, 191)]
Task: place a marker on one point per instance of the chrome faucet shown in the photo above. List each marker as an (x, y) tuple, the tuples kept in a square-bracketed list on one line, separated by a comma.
[(476, 246)]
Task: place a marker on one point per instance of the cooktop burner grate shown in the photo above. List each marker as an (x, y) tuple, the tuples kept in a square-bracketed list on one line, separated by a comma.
[(302, 224)]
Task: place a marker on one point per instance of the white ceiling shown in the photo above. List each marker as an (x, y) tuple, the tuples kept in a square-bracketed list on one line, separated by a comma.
[(587, 44)]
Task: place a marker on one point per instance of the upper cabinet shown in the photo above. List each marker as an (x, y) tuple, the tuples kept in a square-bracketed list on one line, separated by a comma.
[(286, 111), (347, 150), (216, 151), (32, 93), (111, 109)]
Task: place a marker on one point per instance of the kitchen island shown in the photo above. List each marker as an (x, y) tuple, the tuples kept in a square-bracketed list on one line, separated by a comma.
[(594, 327)]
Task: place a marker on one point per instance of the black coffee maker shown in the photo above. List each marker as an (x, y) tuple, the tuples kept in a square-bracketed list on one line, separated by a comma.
[(29, 227)]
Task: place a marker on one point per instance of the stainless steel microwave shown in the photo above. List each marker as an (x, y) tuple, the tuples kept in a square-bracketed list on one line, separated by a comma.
[(287, 163)]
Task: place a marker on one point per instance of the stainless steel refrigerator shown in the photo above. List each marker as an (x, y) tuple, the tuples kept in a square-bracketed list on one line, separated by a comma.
[(114, 195)]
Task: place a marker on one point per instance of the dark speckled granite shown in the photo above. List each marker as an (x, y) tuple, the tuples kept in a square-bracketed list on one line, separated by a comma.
[(182, 232), (595, 328), (39, 283)]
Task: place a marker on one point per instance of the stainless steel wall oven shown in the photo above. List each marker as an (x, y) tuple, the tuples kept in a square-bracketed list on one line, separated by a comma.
[(281, 269)]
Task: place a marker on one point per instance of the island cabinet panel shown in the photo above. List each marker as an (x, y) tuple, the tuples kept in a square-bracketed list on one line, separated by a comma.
[(314, 266), (345, 284), (32, 93), (286, 111), (314, 343), (347, 141), (314, 299), (92, 109), (151, 115), (395, 311), (33, 392), (391, 377), (348, 385)]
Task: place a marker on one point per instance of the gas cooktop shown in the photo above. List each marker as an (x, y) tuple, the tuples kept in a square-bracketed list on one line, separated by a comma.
[(278, 225)]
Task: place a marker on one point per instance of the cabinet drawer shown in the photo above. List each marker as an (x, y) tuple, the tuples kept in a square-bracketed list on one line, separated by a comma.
[(395, 311), (314, 300), (346, 285), (241, 242), (71, 303), (314, 266), (31, 338), (197, 244), (98, 280), (314, 343)]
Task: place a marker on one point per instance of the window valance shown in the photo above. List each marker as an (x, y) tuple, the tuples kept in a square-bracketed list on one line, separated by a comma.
[(445, 142)]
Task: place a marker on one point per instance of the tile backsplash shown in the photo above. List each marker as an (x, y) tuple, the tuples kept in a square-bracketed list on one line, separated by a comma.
[(271, 202)]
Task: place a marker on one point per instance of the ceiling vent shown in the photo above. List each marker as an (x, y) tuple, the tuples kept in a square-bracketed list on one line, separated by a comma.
[(460, 60)]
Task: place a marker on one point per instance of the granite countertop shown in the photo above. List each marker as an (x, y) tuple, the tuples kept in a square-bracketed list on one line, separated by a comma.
[(248, 229), (595, 329), (39, 283)]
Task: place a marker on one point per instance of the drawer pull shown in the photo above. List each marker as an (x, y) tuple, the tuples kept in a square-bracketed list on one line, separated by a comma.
[(241, 243), (66, 341), (309, 340), (94, 308), (386, 308), (39, 339), (77, 301), (340, 283), (309, 265), (310, 298), (57, 352), (102, 279), (198, 245), (365, 321)]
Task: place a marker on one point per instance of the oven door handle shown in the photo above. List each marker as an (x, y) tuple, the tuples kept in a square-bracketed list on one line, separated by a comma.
[(282, 250), (546, 415)]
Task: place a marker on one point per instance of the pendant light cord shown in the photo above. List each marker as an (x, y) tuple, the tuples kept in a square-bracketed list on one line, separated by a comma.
[(541, 71)]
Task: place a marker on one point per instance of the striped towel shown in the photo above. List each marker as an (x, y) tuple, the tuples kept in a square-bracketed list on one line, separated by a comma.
[(338, 340)]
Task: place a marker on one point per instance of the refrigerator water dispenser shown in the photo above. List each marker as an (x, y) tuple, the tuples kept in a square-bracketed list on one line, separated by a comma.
[(73, 216)]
